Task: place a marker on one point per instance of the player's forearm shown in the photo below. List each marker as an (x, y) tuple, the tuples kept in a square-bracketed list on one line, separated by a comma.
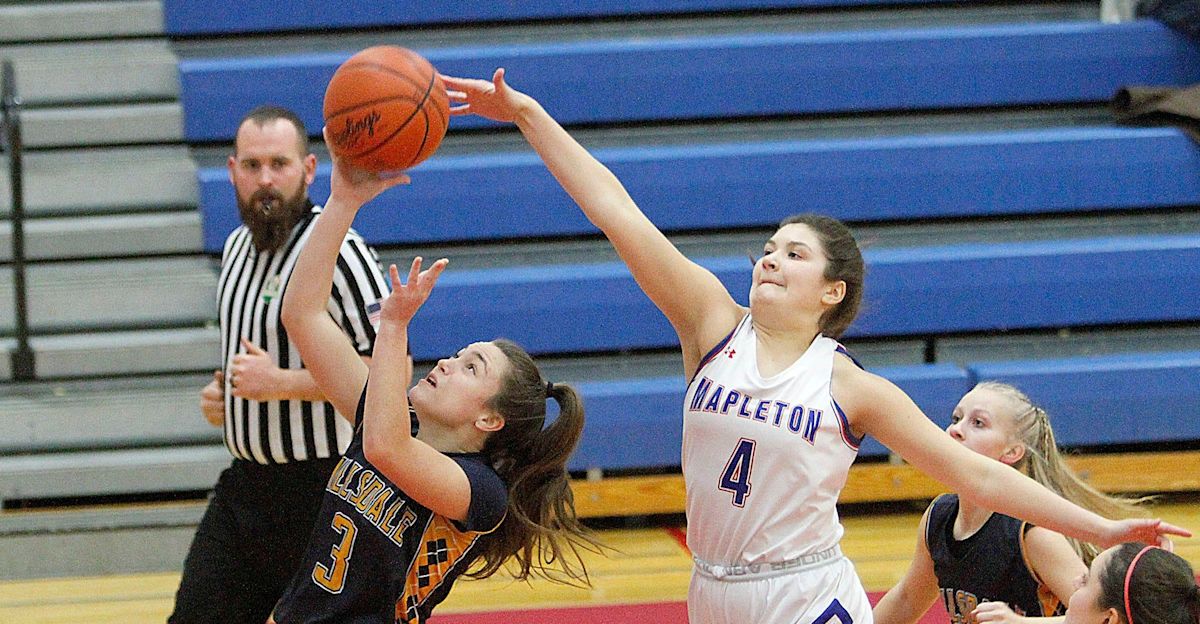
[(896, 607), (385, 412), (1004, 489), (299, 385), (589, 182)]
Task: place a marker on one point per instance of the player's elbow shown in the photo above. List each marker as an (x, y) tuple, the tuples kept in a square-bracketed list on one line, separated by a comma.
[(375, 449), (292, 314)]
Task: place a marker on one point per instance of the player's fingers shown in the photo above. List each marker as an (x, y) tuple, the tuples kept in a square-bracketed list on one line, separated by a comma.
[(250, 347), (463, 84), (394, 275), (430, 275), (415, 271), (465, 109), (1166, 528)]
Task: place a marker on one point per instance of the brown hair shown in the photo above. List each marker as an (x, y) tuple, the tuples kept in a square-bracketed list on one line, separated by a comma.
[(265, 114), (1044, 463), (1162, 588), (844, 262), (540, 527)]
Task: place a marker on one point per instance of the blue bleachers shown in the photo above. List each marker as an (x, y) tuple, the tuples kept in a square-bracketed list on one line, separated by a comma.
[(925, 292), (1112, 399), (744, 75), (186, 17), (917, 291), (512, 195)]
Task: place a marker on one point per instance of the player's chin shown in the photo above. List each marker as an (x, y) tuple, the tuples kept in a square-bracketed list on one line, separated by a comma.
[(420, 393)]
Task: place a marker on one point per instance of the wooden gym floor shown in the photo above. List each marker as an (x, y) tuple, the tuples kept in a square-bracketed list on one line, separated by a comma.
[(648, 565)]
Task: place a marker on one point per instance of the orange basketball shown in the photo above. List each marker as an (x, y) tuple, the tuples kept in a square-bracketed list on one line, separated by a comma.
[(386, 109)]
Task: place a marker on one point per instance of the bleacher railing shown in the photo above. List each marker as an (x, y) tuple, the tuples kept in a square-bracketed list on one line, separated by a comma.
[(22, 355)]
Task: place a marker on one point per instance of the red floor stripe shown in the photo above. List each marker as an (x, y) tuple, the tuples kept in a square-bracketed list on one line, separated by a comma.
[(659, 613)]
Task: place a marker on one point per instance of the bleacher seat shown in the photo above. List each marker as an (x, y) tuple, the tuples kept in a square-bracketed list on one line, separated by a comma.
[(914, 291), (512, 196), (1128, 398), (744, 75), (185, 18)]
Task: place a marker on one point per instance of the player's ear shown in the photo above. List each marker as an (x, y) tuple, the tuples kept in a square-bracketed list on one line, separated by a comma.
[(489, 422), (1013, 454), (834, 293)]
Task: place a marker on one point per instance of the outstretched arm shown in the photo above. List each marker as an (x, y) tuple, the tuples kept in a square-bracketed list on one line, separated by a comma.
[(337, 369), (877, 407), (692, 298), (917, 590)]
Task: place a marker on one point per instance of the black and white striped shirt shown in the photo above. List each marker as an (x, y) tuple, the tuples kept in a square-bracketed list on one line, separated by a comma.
[(250, 293)]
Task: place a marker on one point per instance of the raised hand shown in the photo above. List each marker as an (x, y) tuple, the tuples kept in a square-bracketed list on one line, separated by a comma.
[(494, 100), (356, 186), (406, 298), (1145, 530)]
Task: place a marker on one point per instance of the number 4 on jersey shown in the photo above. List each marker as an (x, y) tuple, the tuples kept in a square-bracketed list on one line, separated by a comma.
[(735, 479)]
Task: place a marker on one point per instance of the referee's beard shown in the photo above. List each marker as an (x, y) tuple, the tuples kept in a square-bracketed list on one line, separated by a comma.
[(270, 216)]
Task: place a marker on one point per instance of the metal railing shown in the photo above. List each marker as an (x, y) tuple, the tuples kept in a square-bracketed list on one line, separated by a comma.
[(10, 103)]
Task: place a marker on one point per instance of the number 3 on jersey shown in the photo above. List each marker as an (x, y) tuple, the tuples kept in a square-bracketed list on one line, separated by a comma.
[(333, 578), (735, 479)]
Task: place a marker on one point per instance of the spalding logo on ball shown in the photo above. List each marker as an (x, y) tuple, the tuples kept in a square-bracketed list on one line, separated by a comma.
[(386, 109)]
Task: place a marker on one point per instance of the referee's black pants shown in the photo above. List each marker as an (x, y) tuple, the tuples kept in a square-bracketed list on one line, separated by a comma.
[(250, 541)]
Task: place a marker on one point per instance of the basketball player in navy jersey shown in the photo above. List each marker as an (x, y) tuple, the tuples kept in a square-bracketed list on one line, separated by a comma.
[(775, 409), (483, 480), (967, 555), (1130, 584)]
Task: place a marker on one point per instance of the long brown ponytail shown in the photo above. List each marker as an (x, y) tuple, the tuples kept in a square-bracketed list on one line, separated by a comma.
[(540, 531), (1045, 464)]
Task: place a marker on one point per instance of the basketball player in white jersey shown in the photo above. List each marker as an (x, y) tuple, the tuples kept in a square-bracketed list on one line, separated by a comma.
[(775, 410)]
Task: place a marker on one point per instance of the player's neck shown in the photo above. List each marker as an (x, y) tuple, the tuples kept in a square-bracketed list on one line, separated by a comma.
[(777, 349), (970, 519), (447, 440)]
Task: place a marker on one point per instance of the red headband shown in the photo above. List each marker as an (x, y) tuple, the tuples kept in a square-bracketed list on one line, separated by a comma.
[(1129, 577)]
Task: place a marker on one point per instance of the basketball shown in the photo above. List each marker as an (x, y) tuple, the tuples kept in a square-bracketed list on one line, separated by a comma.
[(386, 109)]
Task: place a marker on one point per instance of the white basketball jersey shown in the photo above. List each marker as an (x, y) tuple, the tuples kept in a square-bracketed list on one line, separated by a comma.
[(763, 459)]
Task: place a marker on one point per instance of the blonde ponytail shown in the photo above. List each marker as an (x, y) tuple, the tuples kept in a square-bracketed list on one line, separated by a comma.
[(1044, 463)]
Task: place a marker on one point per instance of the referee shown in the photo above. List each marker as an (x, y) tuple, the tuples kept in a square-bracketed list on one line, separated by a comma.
[(284, 437)]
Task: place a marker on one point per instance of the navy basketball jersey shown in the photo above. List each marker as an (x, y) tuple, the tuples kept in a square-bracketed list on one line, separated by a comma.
[(987, 566), (376, 556)]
